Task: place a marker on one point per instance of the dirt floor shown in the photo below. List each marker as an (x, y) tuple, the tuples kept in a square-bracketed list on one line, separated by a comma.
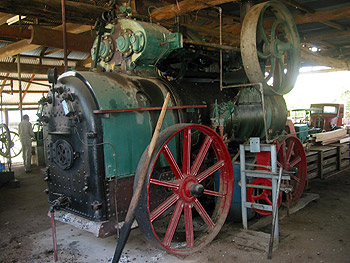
[(318, 233)]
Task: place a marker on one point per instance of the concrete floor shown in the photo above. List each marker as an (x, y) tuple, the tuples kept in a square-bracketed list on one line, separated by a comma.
[(318, 233)]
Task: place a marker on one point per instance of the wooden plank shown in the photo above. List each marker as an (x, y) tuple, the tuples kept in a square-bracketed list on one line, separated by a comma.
[(330, 169), (320, 164), (320, 148), (329, 135), (344, 164), (304, 200), (312, 167), (347, 139), (329, 153), (254, 239), (311, 158), (312, 175), (183, 7), (329, 161)]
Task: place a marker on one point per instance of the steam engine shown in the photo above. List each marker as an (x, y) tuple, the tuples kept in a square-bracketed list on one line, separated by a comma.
[(98, 124)]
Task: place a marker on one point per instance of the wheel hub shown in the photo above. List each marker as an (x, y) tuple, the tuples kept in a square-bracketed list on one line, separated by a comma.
[(189, 189), (197, 190)]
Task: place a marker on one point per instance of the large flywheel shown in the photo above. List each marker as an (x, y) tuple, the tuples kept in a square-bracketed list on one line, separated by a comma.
[(188, 189), (5, 140), (15, 148), (270, 47)]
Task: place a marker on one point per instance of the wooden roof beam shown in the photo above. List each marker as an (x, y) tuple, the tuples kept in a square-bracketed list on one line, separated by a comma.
[(4, 17), (334, 25), (76, 12), (183, 7), (317, 59), (23, 45), (299, 6), (335, 14), (324, 36)]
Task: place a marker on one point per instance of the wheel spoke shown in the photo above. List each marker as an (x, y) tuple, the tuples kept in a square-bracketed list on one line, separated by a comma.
[(201, 155), (282, 75), (255, 197), (273, 29), (261, 28), (213, 193), (297, 179), (186, 151), (295, 161), (163, 207), (267, 199), (173, 223), (279, 164), (210, 171), (282, 154), (171, 161), (272, 70), (200, 209), (189, 225), (264, 55), (290, 150), (164, 183)]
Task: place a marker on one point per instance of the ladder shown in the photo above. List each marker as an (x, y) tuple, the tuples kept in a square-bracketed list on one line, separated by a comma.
[(254, 147)]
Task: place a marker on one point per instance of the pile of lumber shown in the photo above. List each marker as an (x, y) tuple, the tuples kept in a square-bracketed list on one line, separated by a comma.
[(336, 136)]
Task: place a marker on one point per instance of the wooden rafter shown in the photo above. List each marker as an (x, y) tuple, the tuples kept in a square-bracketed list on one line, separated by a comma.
[(334, 25), (335, 14), (183, 7), (4, 17), (23, 45), (298, 6), (325, 36), (49, 10), (317, 59), (28, 86)]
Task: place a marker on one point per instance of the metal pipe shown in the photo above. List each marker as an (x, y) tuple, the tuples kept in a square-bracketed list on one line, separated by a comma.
[(53, 227), (148, 109), (19, 85), (243, 187), (274, 228), (64, 32), (213, 45)]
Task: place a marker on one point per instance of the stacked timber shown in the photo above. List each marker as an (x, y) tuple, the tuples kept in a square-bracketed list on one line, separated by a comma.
[(337, 136), (329, 153)]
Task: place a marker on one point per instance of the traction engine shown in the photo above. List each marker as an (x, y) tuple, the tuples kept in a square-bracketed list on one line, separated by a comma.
[(97, 126)]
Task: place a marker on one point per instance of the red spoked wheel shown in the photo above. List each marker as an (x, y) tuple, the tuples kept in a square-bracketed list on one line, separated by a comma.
[(183, 204), (261, 196), (291, 157)]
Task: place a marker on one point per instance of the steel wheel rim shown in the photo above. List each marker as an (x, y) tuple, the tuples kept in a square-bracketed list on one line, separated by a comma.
[(15, 141), (273, 47), (291, 156), (263, 194), (187, 207), (5, 140)]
